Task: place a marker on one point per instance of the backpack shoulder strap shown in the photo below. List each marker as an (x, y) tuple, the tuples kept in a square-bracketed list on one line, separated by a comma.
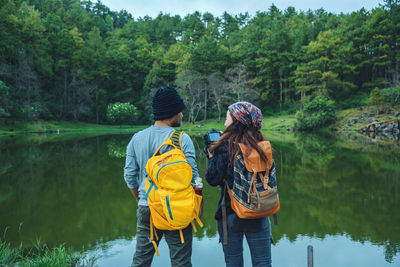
[(176, 137)]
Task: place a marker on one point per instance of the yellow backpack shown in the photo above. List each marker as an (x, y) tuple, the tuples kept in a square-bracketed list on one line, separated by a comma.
[(171, 197)]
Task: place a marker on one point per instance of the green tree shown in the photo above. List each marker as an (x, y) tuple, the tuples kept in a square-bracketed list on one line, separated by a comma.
[(316, 113), (377, 37), (391, 95), (193, 28), (120, 113), (93, 68), (393, 8), (274, 58), (353, 29), (206, 58), (32, 61), (376, 99), (67, 59), (326, 69)]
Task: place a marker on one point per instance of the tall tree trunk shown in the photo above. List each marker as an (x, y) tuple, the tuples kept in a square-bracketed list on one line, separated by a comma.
[(205, 103), (28, 93), (219, 111), (97, 103), (64, 107), (280, 95), (396, 74), (191, 113), (74, 101)]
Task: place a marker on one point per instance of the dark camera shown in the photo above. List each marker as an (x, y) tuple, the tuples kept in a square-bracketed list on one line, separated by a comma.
[(211, 137)]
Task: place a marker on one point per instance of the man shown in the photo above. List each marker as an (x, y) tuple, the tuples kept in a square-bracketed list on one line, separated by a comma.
[(167, 111)]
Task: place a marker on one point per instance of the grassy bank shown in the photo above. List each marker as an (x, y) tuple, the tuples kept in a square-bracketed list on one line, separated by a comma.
[(270, 123), (280, 123), (64, 127), (41, 255)]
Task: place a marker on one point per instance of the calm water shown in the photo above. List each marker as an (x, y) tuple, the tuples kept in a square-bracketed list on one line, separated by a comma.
[(342, 198)]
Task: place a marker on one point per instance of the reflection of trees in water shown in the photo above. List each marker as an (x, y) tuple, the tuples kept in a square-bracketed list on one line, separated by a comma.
[(391, 249), (74, 192), (117, 148), (65, 192), (330, 190), (314, 149)]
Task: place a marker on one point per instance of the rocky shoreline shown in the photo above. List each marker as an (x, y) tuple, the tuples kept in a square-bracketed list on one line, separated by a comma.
[(388, 129), (376, 126)]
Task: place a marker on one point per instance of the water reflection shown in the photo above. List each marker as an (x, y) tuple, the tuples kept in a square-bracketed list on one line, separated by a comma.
[(329, 190), (69, 191), (72, 192)]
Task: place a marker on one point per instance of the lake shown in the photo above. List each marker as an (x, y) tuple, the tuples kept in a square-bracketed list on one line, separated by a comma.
[(342, 197)]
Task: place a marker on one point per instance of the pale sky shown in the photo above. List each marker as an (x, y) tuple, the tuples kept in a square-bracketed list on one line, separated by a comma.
[(140, 8)]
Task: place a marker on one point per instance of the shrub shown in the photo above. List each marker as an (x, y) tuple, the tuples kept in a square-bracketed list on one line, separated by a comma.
[(120, 113), (375, 97), (317, 112), (391, 95)]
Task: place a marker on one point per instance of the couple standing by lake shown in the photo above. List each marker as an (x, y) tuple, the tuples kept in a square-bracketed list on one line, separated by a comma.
[(242, 126)]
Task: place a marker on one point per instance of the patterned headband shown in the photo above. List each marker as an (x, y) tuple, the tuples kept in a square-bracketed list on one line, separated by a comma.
[(247, 113)]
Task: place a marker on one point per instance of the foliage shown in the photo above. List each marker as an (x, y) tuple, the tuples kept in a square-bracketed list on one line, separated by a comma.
[(316, 113), (326, 66), (120, 113), (391, 95), (376, 97), (67, 60), (355, 101)]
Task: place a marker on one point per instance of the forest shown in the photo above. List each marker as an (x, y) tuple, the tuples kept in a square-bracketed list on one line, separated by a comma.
[(74, 59)]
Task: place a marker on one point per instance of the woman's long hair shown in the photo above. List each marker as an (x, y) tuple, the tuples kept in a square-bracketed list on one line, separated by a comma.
[(239, 133)]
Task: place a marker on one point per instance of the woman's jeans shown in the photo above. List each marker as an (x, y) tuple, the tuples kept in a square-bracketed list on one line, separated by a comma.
[(259, 244)]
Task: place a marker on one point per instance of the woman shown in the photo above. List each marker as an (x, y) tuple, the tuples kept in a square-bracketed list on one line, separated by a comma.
[(243, 123)]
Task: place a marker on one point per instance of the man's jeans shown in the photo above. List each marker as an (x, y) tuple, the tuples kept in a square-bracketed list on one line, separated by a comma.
[(179, 253), (259, 244)]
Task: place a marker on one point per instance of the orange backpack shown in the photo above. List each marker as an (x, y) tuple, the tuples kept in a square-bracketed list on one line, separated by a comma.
[(254, 193)]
